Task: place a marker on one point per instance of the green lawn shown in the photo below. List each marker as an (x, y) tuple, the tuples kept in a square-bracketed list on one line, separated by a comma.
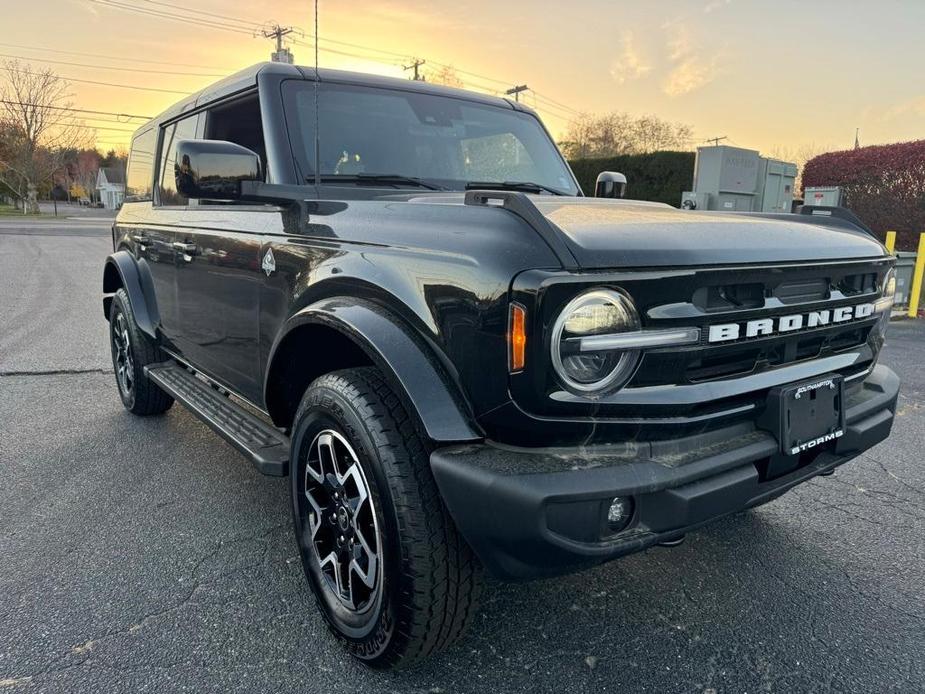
[(9, 211)]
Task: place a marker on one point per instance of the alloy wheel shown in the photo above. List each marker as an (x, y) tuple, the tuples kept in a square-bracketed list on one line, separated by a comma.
[(125, 366), (342, 522)]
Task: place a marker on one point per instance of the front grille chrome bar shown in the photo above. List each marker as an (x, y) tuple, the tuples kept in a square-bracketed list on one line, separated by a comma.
[(638, 339)]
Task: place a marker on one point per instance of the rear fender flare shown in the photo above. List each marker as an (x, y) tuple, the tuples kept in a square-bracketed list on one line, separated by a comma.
[(405, 359), (122, 270)]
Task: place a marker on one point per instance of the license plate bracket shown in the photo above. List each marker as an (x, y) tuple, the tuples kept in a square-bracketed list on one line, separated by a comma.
[(806, 414)]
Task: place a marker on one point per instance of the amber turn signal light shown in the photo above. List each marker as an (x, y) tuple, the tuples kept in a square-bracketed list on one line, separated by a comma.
[(517, 338)]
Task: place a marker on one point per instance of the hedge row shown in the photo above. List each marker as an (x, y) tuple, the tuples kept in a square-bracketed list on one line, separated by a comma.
[(659, 176), (884, 185)]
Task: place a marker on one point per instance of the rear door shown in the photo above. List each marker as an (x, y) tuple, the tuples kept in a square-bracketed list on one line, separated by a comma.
[(149, 238)]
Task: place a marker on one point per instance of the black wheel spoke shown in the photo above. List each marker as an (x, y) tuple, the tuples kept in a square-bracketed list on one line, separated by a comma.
[(124, 363), (342, 527)]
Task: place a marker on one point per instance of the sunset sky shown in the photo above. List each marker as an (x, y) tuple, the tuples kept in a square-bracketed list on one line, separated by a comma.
[(775, 76)]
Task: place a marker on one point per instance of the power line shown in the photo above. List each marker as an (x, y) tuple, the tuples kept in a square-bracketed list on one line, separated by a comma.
[(346, 53), (253, 29), (226, 25), (202, 12), (107, 67), (117, 130), (67, 108), (111, 84), (175, 17), (541, 97), (120, 58), (368, 48)]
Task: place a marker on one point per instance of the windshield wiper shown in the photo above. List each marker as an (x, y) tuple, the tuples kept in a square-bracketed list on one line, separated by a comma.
[(525, 186), (381, 179)]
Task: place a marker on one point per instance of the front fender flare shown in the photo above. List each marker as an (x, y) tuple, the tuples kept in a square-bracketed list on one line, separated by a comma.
[(135, 278), (403, 357)]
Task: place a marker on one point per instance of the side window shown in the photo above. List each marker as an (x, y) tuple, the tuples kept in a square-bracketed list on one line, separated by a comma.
[(140, 173), (239, 121), (167, 188)]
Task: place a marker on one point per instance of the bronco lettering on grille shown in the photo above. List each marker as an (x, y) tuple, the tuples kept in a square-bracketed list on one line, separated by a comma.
[(783, 324)]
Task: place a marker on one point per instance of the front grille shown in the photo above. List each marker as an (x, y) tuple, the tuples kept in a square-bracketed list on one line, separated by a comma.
[(708, 381), (802, 291), (726, 363), (769, 293)]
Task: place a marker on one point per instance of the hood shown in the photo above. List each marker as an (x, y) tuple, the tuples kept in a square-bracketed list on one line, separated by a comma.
[(604, 234), (616, 233)]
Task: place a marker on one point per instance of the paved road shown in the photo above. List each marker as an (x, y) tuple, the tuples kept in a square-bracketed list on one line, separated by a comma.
[(147, 556)]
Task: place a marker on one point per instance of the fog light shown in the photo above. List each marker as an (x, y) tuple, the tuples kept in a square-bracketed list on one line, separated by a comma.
[(620, 513)]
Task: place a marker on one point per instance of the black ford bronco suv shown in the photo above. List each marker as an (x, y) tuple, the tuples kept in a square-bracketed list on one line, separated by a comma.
[(396, 294)]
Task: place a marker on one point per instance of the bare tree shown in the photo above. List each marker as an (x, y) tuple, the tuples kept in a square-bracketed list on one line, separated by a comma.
[(612, 134), (446, 76), (37, 129)]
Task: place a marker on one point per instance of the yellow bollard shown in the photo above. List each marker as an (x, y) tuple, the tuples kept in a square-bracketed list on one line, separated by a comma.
[(891, 242), (917, 278)]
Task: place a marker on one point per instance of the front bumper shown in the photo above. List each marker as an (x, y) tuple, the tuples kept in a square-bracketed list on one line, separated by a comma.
[(540, 512)]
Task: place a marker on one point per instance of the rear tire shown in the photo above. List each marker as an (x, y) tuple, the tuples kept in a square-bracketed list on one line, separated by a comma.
[(351, 427), (132, 350)]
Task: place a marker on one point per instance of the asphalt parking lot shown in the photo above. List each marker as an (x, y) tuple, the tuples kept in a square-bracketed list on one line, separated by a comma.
[(146, 555)]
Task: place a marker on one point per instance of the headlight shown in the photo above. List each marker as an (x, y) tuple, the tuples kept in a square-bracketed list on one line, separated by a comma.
[(598, 312), (884, 305), (887, 292)]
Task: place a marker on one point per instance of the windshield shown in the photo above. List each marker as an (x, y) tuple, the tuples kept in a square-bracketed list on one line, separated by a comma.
[(444, 141)]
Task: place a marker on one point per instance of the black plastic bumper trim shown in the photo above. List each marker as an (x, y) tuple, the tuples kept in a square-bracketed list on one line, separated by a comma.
[(500, 497)]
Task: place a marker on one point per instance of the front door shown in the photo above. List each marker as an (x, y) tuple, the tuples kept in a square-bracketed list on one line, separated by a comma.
[(218, 293)]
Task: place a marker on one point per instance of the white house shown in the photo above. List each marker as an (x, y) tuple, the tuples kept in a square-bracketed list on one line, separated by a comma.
[(110, 184)]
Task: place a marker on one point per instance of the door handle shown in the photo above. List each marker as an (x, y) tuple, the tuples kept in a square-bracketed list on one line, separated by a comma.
[(188, 250), (140, 238)]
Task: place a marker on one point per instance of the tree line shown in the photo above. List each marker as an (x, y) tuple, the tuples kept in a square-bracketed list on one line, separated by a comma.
[(44, 146)]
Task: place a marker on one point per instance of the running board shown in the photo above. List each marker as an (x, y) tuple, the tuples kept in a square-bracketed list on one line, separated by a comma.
[(267, 447)]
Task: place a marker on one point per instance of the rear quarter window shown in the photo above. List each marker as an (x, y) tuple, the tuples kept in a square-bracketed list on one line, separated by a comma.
[(139, 179)]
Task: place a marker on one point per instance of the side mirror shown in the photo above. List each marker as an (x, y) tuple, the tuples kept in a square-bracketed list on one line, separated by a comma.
[(610, 184), (214, 169)]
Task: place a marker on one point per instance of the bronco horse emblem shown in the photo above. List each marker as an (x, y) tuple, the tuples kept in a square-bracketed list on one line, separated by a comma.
[(269, 262)]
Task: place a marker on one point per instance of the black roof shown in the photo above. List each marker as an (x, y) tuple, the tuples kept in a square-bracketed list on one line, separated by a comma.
[(247, 78)]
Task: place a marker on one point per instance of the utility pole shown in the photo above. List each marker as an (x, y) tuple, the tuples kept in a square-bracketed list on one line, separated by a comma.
[(716, 140), (515, 91), (281, 55), (415, 64)]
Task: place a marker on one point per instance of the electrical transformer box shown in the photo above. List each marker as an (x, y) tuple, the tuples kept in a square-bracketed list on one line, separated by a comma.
[(739, 180), (828, 196)]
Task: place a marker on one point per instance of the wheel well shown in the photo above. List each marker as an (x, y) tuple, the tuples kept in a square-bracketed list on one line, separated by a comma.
[(112, 282), (305, 354)]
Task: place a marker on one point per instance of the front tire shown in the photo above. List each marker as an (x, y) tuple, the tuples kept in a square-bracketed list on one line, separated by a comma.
[(390, 573), (132, 350)]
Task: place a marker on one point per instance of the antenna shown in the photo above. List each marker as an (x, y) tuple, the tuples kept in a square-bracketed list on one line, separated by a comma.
[(716, 140), (515, 91), (317, 119)]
